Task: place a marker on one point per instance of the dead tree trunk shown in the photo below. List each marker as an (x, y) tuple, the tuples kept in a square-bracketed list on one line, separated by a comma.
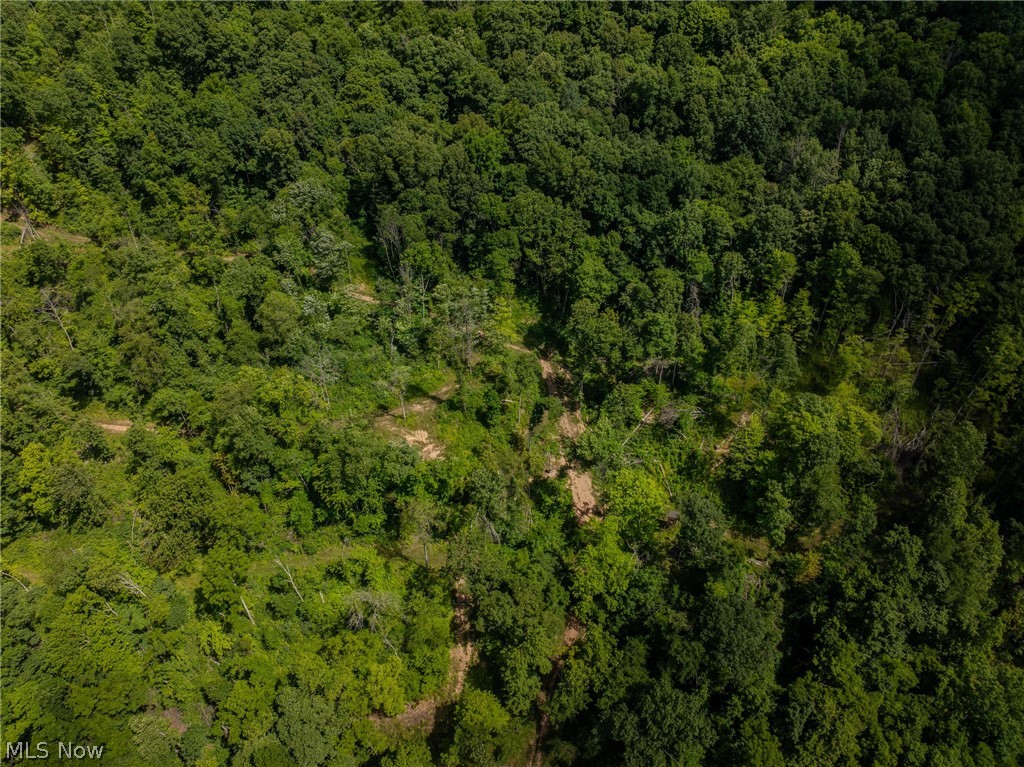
[(288, 574)]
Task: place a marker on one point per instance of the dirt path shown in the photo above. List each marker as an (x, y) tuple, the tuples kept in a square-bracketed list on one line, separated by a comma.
[(581, 485), (460, 658), (574, 631), (584, 500), (570, 428), (463, 654)]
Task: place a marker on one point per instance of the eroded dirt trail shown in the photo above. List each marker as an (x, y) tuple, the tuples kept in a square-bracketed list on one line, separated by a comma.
[(460, 658), (584, 500), (462, 655), (574, 631), (464, 652), (570, 428), (361, 292)]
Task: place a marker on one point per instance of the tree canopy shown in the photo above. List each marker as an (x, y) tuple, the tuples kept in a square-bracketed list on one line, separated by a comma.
[(397, 384)]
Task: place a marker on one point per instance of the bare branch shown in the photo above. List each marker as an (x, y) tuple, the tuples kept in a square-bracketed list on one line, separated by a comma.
[(14, 578), (249, 614), (291, 580), (645, 419), (51, 308), (129, 583)]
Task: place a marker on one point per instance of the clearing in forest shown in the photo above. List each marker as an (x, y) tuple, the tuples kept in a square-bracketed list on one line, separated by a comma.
[(395, 422), (31, 230), (361, 292), (118, 425), (114, 427)]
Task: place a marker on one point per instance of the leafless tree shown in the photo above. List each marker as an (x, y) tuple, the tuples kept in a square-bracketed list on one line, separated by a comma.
[(247, 613), (464, 308), (391, 236), (14, 578), (53, 309), (692, 304), (291, 580), (319, 368), (370, 609), (129, 583), (28, 228)]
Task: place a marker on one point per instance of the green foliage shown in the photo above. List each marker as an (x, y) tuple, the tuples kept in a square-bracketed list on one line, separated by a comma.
[(640, 500), (287, 292), (480, 724), (306, 726)]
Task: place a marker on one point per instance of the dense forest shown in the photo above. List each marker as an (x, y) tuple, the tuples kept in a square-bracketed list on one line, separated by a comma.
[(403, 384)]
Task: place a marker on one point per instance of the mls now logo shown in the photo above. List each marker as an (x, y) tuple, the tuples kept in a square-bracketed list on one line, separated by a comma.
[(42, 750)]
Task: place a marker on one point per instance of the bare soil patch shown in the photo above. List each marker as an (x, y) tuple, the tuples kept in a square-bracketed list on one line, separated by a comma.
[(361, 292), (550, 375), (120, 426), (175, 720), (571, 425), (419, 438), (583, 499), (394, 422), (426, 404)]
